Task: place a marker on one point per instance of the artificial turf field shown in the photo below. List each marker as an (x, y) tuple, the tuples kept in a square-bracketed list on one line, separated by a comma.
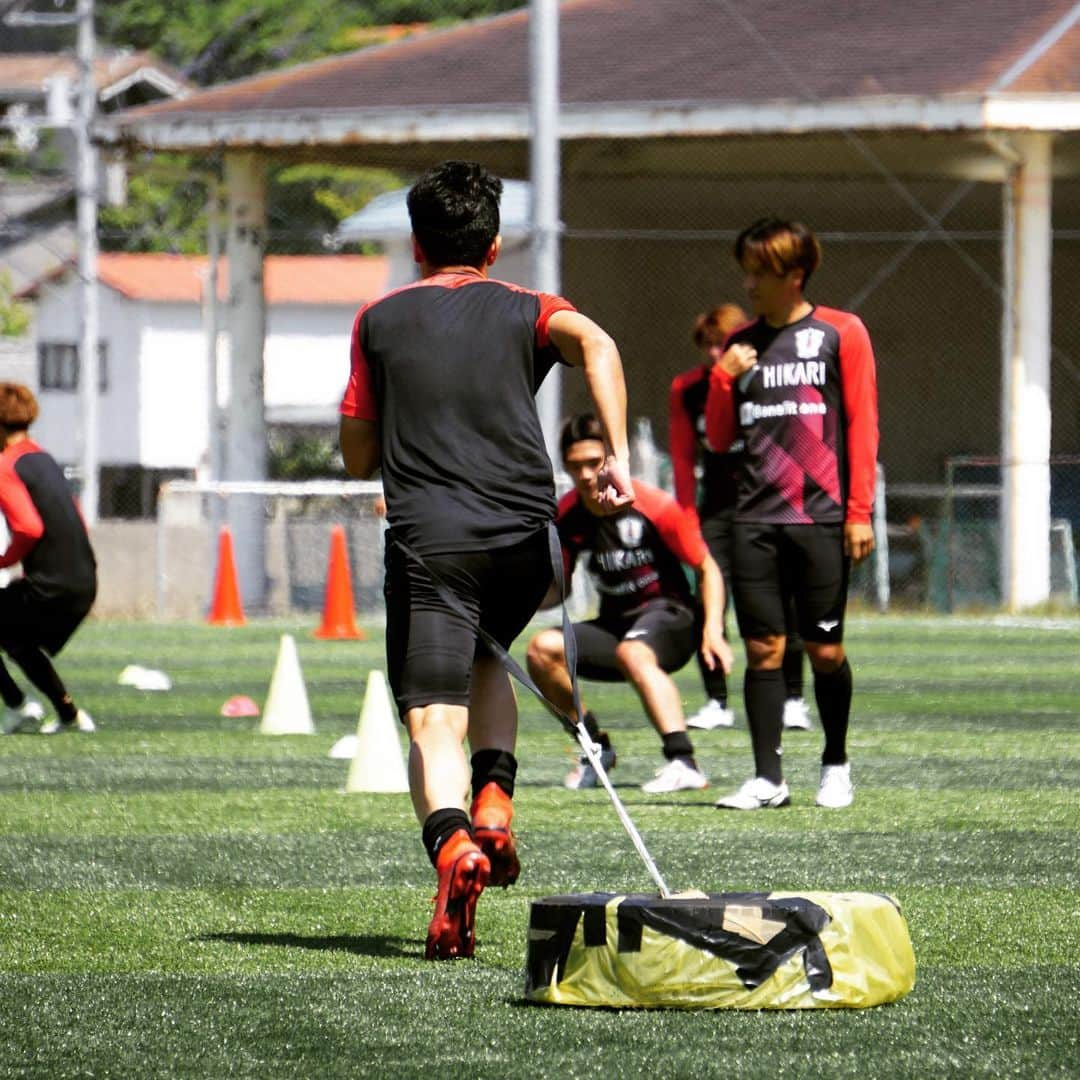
[(181, 896)]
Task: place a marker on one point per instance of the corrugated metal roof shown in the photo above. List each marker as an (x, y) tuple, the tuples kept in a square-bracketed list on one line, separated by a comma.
[(688, 51)]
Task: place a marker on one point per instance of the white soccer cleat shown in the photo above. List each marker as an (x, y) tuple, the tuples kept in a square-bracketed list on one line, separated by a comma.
[(796, 714), (25, 720), (676, 775), (583, 775), (835, 790), (757, 794), (711, 715), (83, 722)]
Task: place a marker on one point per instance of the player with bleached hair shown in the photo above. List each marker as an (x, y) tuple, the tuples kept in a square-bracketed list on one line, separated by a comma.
[(42, 609), (798, 385), (441, 396)]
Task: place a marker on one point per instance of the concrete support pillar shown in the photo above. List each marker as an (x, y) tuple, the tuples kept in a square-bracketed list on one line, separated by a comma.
[(1025, 451), (245, 428)]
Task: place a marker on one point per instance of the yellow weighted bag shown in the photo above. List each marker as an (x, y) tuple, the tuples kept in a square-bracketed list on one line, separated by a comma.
[(775, 950)]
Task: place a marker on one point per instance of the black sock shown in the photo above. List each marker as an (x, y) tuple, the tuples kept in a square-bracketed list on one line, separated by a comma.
[(594, 732), (793, 668), (765, 713), (493, 766), (440, 826), (715, 681), (832, 689), (10, 690), (677, 744)]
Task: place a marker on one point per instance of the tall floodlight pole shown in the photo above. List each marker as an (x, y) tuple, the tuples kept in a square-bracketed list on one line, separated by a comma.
[(544, 173), (87, 209)]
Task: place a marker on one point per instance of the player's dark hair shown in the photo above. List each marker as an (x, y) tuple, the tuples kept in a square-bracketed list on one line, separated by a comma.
[(713, 326), (779, 246), (454, 210), (580, 429), (18, 406)]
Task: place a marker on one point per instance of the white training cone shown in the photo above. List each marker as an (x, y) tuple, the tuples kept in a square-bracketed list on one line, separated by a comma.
[(377, 764), (345, 748), (287, 711)]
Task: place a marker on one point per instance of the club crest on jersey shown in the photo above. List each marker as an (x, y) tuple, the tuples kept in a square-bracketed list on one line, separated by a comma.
[(808, 342), (631, 529)]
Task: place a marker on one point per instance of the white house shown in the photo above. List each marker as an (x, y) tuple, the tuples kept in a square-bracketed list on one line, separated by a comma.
[(154, 419)]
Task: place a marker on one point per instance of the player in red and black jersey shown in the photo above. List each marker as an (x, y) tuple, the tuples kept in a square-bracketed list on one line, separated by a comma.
[(441, 396), (712, 498), (798, 386), (41, 610), (648, 624)]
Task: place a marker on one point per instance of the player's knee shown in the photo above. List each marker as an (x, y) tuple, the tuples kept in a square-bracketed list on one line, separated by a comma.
[(825, 657), (764, 654), (545, 653), (634, 658)]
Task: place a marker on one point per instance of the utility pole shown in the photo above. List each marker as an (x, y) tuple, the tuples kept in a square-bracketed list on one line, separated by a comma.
[(544, 171), (86, 196)]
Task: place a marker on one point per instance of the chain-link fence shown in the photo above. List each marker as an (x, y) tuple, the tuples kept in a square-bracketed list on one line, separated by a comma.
[(647, 247)]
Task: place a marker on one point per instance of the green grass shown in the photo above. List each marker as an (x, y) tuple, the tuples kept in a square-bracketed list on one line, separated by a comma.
[(181, 896)]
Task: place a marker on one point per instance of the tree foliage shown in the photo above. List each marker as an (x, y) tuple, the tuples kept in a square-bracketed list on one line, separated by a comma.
[(229, 39)]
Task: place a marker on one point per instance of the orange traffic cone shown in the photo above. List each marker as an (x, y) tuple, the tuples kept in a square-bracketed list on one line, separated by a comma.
[(225, 609), (338, 619)]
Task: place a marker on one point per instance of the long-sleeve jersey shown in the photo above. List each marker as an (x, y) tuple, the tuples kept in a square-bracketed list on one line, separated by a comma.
[(687, 444), (448, 367), (808, 413), (47, 532), (635, 555)]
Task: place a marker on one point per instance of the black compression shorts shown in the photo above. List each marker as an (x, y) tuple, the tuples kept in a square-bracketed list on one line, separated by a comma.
[(671, 630), (801, 565), (28, 620), (430, 647)]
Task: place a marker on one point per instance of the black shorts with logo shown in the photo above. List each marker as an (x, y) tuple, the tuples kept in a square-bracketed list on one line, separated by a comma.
[(430, 647), (671, 630), (801, 565)]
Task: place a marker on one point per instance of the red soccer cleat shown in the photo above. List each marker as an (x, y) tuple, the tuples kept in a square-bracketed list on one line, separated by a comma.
[(463, 873), (491, 812)]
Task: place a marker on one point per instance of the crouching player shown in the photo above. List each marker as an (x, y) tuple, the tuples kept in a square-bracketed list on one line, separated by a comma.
[(41, 610), (648, 624)]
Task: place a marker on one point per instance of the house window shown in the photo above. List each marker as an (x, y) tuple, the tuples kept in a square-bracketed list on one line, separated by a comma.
[(58, 366)]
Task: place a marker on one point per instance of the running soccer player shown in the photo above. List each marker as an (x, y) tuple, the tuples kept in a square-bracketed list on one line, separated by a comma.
[(440, 394), (798, 384), (41, 610), (648, 624), (713, 501)]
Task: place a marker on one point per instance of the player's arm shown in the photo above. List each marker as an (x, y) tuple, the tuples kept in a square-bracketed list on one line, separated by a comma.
[(360, 450), (715, 649), (720, 429), (681, 532), (358, 431), (682, 445), (584, 344), (859, 384), (23, 520)]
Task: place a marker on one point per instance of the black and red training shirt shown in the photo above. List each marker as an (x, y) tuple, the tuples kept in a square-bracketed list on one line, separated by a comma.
[(448, 368), (688, 445), (636, 555), (48, 535), (808, 414)]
